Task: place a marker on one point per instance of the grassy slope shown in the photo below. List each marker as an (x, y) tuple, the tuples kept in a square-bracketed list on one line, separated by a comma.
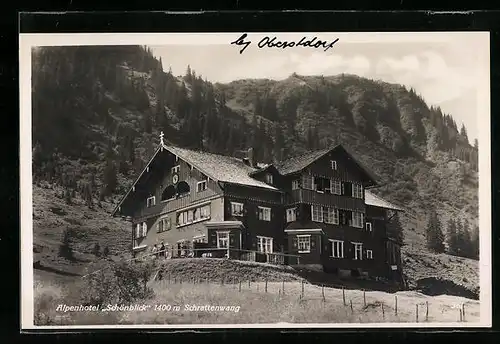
[(51, 216)]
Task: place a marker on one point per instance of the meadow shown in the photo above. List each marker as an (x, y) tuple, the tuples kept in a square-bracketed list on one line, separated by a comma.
[(274, 297)]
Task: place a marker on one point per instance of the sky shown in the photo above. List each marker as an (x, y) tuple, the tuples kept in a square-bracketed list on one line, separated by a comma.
[(447, 69)]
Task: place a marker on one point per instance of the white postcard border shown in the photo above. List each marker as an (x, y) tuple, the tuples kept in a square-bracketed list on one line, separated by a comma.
[(27, 41)]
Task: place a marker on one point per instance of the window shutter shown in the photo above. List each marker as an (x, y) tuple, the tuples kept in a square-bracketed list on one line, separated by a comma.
[(343, 188), (295, 243), (313, 242)]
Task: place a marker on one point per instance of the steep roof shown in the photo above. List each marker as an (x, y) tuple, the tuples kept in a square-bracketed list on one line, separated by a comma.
[(218, 167), (298, 163), (376, 201), (222, 168)]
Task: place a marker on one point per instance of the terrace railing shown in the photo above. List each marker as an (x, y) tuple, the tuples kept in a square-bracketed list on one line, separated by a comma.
[(276, 258)]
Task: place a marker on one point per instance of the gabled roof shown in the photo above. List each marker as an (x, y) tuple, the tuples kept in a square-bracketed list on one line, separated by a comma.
[(218, 167), (298, 163), (221, 168), (263, 168), (376, 201)]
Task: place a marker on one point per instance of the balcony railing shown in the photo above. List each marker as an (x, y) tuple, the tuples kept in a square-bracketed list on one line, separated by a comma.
[(228, 253)]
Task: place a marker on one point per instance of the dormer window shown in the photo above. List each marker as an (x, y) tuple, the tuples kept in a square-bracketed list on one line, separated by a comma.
[(333, 164), (269, 178), (176, 169), (151, 201), (201, 186)]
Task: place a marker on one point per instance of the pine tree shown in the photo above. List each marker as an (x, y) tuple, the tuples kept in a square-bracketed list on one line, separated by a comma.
[(475, 242), (67, 196), (96, 251), (465, 241), (452, 237), (279, 143), (65, 249), (434, 234), (463, 132), (109, 178)]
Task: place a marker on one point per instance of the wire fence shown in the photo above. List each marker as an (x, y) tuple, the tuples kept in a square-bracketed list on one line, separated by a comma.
[(353, 301)]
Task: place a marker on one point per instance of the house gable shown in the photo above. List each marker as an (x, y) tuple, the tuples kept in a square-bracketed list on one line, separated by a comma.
[(347, 167)]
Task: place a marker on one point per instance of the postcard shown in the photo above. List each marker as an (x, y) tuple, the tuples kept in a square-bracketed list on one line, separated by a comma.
[(252, 180)]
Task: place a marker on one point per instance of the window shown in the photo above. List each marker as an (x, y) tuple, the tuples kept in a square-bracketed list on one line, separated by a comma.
[(296, 184), (336, 187), (138, 230), (144, 229), (357, 191), (307, 182), (369, 254), (331, 215), (317, 213), (334, 164), (337, 248), (269, 178), (222, 239), (369, 226), (304, 243), (176, 169), (358, 250), (151, 201), (199, 238), (205, 212), (264, 213), (236, 209), (164, 224), (264, 244), (193, 215), (201, 186), (322, 185), (357, 219), (291, 215)]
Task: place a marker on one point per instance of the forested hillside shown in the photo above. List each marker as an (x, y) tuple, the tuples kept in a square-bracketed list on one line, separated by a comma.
[(97, 113)]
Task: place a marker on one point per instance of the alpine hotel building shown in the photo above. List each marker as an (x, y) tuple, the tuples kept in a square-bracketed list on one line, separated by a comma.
[(312, 210)]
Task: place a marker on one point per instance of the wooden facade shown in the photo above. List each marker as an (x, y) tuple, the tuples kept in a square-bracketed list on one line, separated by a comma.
[(316, 211)]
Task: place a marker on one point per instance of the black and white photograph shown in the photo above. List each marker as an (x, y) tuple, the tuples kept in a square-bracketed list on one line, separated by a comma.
[(288, 180)]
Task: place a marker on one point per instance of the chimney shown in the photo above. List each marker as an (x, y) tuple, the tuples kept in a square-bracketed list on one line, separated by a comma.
[(250, 157)]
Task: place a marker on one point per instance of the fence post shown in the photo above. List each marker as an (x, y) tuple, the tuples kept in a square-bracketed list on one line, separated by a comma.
[(343, 295), (364, 298), (266, 286), (463, 311), (239, 288), (416, 312), (383, 311), (302, 292), (460, 312), (395, 305), (323, 292), (283, 287), (352, 309), (426, 310), (248, 283)]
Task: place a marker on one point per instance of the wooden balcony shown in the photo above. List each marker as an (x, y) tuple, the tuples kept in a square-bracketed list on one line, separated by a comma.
[(327, 199)]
